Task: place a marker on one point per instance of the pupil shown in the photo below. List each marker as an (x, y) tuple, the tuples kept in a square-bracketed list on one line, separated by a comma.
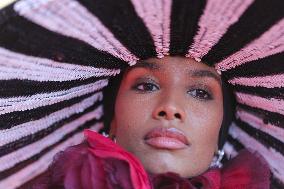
[(201, 93), (148, 86)]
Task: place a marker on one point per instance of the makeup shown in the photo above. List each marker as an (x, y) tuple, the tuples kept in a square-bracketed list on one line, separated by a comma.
[(166, 138)]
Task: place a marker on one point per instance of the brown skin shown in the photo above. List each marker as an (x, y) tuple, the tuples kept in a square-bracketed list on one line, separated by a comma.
[(169, 85)]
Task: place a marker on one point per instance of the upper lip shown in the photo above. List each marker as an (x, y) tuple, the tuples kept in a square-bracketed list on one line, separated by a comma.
[(167, 132)]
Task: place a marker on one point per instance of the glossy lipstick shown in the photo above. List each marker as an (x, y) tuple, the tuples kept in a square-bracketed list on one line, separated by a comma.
[(166, 138)]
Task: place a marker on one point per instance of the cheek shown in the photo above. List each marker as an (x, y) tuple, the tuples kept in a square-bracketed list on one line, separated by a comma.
[(206, 121), (130, 117), (204, 125)]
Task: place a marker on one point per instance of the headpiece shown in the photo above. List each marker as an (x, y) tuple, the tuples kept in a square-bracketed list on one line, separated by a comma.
[(56, 56)]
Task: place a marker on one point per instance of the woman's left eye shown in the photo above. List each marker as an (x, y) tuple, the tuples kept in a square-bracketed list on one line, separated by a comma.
[(146, 87), (200, 93)]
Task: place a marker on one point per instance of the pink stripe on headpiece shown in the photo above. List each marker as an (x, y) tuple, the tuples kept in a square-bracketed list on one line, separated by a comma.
[(229, 150), (34, 169), (70, 18), (19, 66), (22, 103), (273, 157), (271, 104), (167, 4), (218, 16), (34, 148), (25, 129), (41, 165), (156, 16), (271, 42), (270, 81), (257, 123)]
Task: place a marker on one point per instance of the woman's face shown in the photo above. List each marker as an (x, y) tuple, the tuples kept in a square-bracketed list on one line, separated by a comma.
[(168, 113)]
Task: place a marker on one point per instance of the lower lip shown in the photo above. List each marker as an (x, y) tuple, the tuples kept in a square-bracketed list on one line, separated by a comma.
[(166, 143)]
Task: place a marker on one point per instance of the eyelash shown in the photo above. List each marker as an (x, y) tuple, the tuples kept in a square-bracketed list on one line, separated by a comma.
[(196, 92), (201, 94), (148, 84)]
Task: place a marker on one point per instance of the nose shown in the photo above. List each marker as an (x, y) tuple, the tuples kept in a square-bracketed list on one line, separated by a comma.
[(169, 111)]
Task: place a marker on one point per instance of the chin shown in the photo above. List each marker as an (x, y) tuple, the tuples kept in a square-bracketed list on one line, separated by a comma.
[(163, 161), (161, 170), (160, 166)]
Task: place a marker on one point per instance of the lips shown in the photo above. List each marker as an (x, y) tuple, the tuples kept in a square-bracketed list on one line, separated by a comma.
[(166, 138)]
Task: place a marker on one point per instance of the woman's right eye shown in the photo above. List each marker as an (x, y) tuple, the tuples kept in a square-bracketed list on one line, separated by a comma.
[(146, 87)]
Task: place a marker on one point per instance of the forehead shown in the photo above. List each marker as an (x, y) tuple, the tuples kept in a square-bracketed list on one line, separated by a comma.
[(178, 65)]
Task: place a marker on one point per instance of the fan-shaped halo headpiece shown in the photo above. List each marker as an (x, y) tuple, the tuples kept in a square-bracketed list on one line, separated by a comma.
[(57, 56)]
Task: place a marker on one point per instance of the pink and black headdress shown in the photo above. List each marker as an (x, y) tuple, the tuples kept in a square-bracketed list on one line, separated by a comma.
[(56, 56)]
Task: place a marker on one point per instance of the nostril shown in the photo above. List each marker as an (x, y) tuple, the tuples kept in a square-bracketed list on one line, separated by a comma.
[(162, 113), (177, 115)]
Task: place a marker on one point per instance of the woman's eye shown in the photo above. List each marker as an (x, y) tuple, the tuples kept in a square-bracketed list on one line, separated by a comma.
[(200, 93), (146, 87)]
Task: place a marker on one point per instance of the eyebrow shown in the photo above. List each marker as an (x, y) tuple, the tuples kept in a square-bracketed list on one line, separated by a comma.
[(195, 73), (205, 73), (147, 65)]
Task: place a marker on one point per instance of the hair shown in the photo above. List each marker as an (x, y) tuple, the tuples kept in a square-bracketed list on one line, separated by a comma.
[(229, 106), (229, 109), (109, 96)]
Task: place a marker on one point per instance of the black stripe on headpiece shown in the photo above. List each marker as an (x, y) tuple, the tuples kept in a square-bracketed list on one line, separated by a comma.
[(273, 118), (256, 20), (261, 91), (16, 87), (184, 24), (122, 20), (22, 36), (265, 139), (266, 66), (275, 183), (236, 144), (7, 13), (12, 119), (33, 159), (229, 108), (33, 137)]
